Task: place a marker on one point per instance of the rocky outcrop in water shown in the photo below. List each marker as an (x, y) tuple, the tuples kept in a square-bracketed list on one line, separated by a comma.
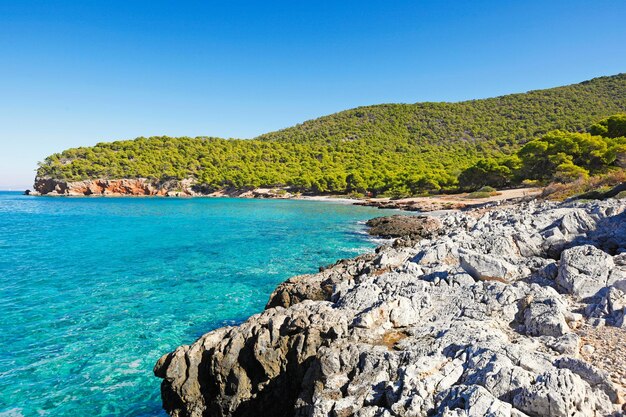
[(413, 227), (493, 316)]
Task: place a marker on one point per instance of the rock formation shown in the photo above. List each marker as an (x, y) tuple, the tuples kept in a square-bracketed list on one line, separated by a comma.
[(413, 227), (483, 318), (411, 205), (116, 187), (145, 187)]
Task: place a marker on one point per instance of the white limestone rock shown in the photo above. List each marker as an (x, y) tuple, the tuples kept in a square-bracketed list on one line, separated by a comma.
[(423, 330), (584, 270)]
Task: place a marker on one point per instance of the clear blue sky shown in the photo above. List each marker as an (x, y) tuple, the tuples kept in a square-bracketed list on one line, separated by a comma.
[(78, 72)]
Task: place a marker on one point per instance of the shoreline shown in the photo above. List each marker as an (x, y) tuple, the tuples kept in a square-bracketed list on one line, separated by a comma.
[(482, 309), (144, 188)]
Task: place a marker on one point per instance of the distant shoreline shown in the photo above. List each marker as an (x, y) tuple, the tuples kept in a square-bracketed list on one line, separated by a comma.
[(142, 187)]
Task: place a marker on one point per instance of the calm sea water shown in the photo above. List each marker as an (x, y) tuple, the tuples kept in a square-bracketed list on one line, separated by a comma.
[(94, 290)]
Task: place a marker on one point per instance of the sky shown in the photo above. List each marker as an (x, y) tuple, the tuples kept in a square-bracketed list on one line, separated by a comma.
[(74, 73)]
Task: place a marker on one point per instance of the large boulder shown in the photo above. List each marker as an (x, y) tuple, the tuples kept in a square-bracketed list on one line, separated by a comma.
[(546, 317), (490, 268), (584, 270), (259, 365), (414, 227)]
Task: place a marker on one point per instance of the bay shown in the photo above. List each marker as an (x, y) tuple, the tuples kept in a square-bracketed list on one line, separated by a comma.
[(94, 290)]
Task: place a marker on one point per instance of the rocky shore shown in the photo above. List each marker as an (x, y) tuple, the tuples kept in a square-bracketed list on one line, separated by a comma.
[(134, 187), (189, 188), (115, 187), (514, 310), (145, 187)]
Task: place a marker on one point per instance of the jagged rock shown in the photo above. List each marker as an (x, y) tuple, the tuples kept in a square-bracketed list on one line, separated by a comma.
[(441, 252), (584, 270), (560, 393), (258, 365), (576, 222), (298, 289), (114, 187), (489, 268), (616, 300), (472, 401), (594, 376), (546, 317), (415, 329), (568, 344)]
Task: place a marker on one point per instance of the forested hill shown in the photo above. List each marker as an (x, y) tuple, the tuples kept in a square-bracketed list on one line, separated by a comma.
[(501, 121), (390, 148)]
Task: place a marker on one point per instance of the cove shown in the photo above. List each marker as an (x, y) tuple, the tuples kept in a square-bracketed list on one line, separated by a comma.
[(94, 290)]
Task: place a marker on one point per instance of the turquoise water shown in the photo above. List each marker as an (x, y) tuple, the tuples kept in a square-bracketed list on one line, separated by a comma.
[(94, 290)]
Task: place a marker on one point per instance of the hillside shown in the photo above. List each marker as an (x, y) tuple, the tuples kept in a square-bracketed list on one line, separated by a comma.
[(394, 149)]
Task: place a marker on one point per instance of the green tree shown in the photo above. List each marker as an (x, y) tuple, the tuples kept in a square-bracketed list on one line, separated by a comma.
[(611, 127), (486, 172), (542, 157), (355, 183)]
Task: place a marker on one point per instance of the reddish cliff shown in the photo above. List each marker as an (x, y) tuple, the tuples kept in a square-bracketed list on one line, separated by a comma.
[(104, 187)]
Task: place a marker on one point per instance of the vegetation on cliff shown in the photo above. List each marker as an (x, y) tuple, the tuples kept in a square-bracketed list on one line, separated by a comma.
[(391, 149)]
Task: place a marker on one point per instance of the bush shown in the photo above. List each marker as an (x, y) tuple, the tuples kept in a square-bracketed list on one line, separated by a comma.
[(484, 192), (611, 127), (584, 186), (530, 183), (569, 172), (569, 155)]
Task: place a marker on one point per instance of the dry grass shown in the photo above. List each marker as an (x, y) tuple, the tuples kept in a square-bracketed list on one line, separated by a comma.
[(597, 185), (391, 338)]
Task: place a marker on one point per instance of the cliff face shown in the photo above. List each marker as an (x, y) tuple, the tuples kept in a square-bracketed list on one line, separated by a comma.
[(146, 187), (488, 316), (134, 187)]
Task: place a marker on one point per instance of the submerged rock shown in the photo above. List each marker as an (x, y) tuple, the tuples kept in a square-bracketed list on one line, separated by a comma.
[(465, 321)]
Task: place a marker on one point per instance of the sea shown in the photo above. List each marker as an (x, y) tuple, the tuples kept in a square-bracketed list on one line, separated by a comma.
[(94, 290)]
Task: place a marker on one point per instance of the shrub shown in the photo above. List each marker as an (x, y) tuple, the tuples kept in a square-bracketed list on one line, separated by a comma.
[(568, 154), (611, 127), (584, 186), (484, 192), (569, 172)]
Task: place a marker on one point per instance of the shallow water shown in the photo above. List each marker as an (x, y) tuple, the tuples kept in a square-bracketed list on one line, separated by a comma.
[(94, 290)]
